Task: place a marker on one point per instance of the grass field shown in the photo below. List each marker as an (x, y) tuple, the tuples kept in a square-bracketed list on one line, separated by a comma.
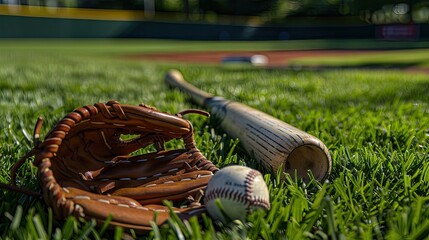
[(391, 59), (375, 124)]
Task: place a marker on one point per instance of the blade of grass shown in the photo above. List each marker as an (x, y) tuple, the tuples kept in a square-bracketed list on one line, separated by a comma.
[(42, 234)]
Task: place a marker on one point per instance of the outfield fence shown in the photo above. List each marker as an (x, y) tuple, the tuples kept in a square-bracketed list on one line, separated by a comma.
[(45, 22)]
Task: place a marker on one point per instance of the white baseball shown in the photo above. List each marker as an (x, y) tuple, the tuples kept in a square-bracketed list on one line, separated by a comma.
[(239, 189)]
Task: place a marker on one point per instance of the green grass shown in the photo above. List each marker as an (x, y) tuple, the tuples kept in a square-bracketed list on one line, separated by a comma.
[(375, 124), (96, 46), (392, 59)]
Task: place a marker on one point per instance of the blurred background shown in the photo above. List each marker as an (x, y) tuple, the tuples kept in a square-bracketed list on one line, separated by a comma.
[(216, 19)]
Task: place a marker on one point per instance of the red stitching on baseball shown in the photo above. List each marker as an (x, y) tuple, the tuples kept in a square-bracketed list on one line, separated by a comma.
[(225, 193), (246, 198), (254, 200)]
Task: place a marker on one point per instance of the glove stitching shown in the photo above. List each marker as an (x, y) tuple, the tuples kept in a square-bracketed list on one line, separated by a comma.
[(173, 170), (140, 160), (104, 201), (158, 174), (125, 125), (85, 197)]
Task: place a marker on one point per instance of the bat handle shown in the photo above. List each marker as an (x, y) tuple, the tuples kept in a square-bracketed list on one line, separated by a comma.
[(216, 104), (175, 79)]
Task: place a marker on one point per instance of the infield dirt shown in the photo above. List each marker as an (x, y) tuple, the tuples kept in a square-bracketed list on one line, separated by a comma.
[(276, 59)]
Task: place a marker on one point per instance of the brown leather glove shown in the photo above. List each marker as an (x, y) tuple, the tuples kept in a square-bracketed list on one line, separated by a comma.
[(91, 165)]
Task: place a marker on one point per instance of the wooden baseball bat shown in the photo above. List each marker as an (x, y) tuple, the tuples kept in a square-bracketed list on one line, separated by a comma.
[(271, 141)]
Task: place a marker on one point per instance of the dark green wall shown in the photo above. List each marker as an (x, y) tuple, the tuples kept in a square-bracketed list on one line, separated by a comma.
[(37, 27)]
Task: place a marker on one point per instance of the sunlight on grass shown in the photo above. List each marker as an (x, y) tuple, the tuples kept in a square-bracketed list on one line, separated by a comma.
[(374, 123), (392, 59)]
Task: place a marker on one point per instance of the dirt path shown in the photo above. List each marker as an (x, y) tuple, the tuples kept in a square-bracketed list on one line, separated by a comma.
[(275, 58)]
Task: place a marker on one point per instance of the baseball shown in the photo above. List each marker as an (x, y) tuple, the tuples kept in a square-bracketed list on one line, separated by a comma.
[(239, 189)]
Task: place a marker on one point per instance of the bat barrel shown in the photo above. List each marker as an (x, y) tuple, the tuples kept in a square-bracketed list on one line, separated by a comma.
[(275, 143)]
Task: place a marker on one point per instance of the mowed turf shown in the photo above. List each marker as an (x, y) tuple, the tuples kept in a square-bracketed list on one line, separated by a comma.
[(398, 58), (375, 123)]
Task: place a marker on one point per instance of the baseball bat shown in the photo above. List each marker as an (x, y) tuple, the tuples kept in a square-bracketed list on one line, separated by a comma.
[(271, 141)]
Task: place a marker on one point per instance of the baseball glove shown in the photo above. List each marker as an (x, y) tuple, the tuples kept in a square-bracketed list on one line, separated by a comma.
[(96, 162)]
